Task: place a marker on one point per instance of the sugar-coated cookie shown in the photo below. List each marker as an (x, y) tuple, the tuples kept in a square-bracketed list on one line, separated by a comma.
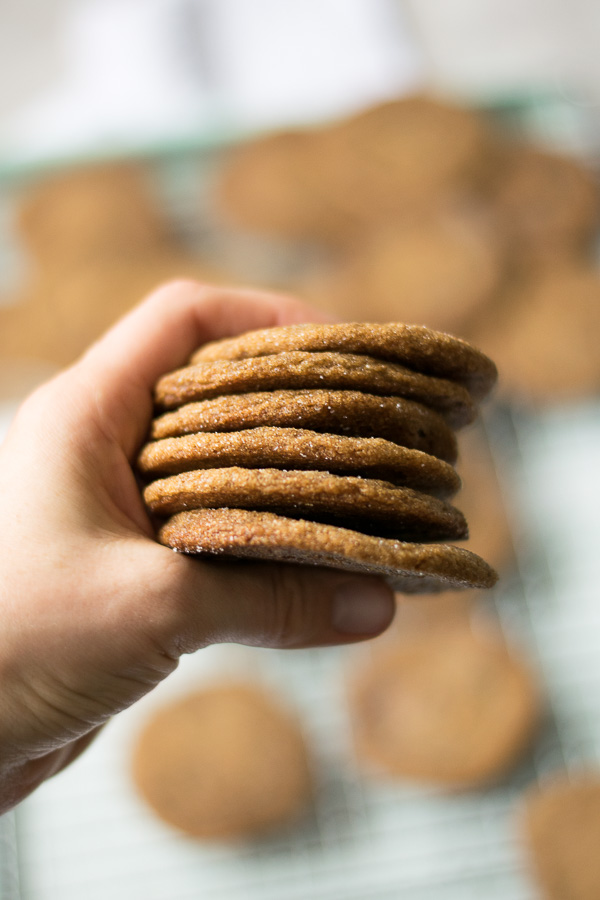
[(298, 369), (226, 762), (446, 706), (230, 534), (371, 505), (561, 824), (353, 413), (415, 346), (297, 448)]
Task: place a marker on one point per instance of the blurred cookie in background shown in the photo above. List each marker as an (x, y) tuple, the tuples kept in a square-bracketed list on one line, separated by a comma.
[(561, 827), (260, 186), (439, 272), (333, 183), (431, 611), (279, 185), (76, 214), (224, 763), (544, 336), (409, 153), (446, 706), (482, 501), (547, 205), (62, 313)]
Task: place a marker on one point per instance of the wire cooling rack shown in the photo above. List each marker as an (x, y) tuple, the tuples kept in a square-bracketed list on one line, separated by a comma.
[(86, 834)]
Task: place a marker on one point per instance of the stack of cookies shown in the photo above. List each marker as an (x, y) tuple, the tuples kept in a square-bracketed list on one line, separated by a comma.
[(325, 445)]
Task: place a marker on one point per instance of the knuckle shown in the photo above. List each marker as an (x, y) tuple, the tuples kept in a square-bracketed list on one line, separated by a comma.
[(289, 610), (175, 289), (169, 615)]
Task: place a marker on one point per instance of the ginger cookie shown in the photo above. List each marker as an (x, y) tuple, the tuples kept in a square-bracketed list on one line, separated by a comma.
[(297, 448), (546, 337), (482, 502), (336, 412), (104, 210), (429, 611), (257, 187), (441, 272), (445, 706), (230, 534), (405, 154), (277, 185), (547, 204), (415, 346), (561, 822), (62, 312), (366, 503), (298, 369), (225, 763)]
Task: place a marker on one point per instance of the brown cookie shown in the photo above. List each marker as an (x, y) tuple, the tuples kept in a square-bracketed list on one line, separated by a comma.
[(104, 210), (244, 534), (226, 762), (548, 204), (345, 412), (62, 312), (296, 448), (299, 369), (415, 346), (446, 706), (562, 833), (440, 271), (482, 501), (404, 154), (363, 503), (277, 185), (429, 611), (546, 337)]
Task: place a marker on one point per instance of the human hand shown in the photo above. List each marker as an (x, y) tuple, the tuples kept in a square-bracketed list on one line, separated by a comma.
[(94, 612)]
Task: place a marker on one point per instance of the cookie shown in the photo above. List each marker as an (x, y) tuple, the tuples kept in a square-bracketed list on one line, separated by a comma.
[(548, 204), (445, 706), (545, 338), (230, 534), (415, 346), (336, 412), (224, 763), (431, 611), (62, 312), (298, 369), (297, 448), (104, 210), (561, 825), (440, 272), (277, 185), (482, 501), (364, 502), (405, 154)]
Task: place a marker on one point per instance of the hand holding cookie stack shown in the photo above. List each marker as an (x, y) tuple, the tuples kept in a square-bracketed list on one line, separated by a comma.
[(329, 497)]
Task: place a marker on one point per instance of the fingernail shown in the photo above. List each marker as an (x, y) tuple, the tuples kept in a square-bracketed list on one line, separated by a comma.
[(362, 607)]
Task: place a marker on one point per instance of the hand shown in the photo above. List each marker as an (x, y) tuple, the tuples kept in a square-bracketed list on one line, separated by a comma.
[(94, 612)]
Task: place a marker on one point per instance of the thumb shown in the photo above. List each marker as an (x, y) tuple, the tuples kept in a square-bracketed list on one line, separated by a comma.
[(272, 605)]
